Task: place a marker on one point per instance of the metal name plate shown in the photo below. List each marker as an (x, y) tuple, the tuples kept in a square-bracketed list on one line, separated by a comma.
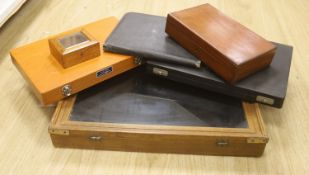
[(104, 71)]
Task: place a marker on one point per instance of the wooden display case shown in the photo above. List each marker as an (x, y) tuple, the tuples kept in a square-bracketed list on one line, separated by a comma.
[(139, 112)]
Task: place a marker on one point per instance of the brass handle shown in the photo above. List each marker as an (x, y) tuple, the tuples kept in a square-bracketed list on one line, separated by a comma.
[(95, 138)]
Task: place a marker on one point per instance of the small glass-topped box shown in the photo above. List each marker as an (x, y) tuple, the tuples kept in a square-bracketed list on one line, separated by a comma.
[(74, 47)]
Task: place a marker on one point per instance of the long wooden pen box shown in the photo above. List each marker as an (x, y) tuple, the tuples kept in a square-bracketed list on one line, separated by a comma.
[(52, 82), (144, 113), (230, 49)]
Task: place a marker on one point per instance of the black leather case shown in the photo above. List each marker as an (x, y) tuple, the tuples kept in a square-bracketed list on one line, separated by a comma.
[(268, 86), (144, 36)]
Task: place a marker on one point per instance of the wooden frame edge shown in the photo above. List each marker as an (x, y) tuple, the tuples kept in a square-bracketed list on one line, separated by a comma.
[(60, 120)]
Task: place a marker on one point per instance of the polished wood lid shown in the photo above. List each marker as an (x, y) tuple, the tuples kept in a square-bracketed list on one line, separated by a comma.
[(231, 50), (224, 34)]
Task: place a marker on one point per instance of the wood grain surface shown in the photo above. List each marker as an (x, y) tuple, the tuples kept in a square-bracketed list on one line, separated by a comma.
[(228, 48), (25, 145), (157, 138), (48, 77)]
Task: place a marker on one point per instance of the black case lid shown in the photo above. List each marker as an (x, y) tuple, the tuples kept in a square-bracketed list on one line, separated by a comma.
[(144, 35), (270, 83)]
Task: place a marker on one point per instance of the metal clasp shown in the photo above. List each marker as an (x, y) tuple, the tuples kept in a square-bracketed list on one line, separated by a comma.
[(138, 60), (159, 71), (222, 143), (265, 100), (66, 90), (95, 138)]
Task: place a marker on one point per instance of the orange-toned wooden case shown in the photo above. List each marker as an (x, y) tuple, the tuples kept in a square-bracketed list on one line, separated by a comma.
[(52, 82)]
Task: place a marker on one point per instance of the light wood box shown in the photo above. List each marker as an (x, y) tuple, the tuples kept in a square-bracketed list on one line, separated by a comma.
[(52, 82), (74, 47)]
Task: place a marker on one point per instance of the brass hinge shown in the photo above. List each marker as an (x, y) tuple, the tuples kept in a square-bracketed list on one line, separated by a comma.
[(257, 140), (59, 131)]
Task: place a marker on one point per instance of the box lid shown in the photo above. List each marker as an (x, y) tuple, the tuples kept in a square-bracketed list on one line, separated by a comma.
[(143, 35), (231, 50), (233, 40)]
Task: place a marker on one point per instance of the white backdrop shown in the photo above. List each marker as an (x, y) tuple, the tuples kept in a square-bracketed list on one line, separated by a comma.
[(8, 8)]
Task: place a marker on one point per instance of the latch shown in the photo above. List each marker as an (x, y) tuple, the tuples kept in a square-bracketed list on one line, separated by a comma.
[(160, 72), (222, 142), (66, 90), (95, 138), (265, 100)]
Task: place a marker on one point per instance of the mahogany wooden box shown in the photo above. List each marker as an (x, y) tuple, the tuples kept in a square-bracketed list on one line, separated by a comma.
[(53, 79), (230, 49), (144, 113)]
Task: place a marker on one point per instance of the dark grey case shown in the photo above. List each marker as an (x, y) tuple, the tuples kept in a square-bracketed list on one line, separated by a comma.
[(144, 36), (267, 86)]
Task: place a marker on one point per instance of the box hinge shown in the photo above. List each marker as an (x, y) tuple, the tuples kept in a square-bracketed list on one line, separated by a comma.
[(257, 140), (59, 131)]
